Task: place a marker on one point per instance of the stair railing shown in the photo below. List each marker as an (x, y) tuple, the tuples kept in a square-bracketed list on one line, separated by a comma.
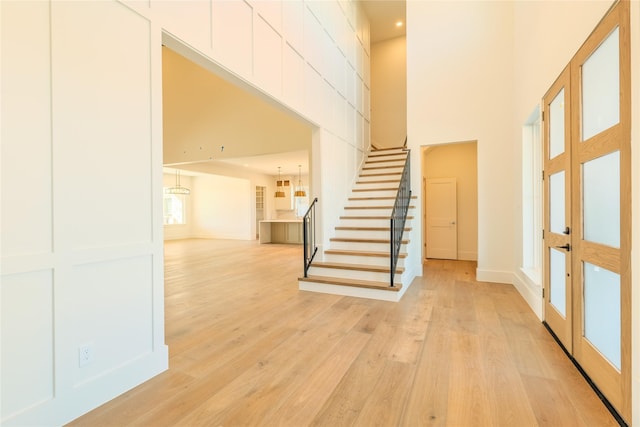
[(399, 215), (309, 235)]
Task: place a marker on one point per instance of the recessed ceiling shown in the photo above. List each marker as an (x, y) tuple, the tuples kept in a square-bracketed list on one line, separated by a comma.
[(383, 16)]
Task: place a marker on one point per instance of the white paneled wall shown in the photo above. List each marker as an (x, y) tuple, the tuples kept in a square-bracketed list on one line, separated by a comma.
[(26, 98), (267, 56), (81, 235)]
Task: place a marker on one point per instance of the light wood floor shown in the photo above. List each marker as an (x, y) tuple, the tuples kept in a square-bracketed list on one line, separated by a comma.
[(247, 348)]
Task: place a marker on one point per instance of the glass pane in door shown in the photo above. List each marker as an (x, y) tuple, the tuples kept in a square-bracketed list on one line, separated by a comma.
[(601, 88), (556, 202), (602, 311), (601, 199), (557, 280), (556, 125)]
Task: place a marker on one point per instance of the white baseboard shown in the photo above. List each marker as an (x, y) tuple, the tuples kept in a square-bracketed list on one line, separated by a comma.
[(531, 293), (494, 276)]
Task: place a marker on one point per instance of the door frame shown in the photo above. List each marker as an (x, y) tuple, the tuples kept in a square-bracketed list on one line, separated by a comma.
[(424, 152)]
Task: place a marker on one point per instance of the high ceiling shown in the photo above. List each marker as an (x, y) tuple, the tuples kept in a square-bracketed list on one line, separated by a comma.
[(383, 16)]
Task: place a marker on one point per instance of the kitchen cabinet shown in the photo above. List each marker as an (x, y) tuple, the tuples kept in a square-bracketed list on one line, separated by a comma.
[(281, 231)]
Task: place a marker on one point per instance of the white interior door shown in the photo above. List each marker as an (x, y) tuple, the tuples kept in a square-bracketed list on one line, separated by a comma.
[(441, 218)]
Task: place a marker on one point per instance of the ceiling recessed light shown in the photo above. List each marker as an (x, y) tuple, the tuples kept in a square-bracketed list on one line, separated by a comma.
[(399, 24)]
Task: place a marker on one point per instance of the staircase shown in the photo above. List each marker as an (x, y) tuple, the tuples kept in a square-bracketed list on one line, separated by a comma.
[(357, 262)]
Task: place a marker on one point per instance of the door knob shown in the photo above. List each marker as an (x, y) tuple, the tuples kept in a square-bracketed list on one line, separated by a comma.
[(566, 247)]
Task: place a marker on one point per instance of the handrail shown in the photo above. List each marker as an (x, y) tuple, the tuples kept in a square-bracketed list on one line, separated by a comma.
[(399, 215), (309, 235)]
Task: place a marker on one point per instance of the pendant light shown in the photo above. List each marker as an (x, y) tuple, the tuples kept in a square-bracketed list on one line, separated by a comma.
[(300, 191), (279, 191), (177, 189)]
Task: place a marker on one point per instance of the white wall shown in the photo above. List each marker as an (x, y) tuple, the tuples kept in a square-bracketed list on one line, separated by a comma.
[(389, 92), (81, 97), (81, 246), (460, 88), (222, 208)]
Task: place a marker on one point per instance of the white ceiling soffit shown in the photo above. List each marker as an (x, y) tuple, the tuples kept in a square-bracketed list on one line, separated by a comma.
[(383, 15)]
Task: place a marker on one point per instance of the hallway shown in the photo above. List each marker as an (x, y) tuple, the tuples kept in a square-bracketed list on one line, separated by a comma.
[(248, 348)]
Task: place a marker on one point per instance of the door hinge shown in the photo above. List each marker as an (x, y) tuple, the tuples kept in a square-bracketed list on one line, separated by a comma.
[(542, 116), (543, 234), (543, 175), (542, 293)]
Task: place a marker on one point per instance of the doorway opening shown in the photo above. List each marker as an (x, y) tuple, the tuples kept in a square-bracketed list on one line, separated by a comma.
[(230, 139), (450, 201)]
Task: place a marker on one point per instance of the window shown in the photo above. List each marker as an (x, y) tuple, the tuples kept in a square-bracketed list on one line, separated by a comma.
[(532, 198), (174, 209)]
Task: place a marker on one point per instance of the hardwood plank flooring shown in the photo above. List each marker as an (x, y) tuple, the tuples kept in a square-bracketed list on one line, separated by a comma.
[(248, 348)]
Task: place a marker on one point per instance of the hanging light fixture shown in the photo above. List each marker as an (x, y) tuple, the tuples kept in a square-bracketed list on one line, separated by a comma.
[(177, 189), (300, 191), (279, 191)]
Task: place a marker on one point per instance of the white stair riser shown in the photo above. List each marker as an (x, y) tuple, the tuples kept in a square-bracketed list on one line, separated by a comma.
[(386, 177), (385, 162), (364, 234), (369, 223), (362, 260), (377, 193), (364, 223), (366, 171), (385, 154), (363, 246), (368, 212), (389, 153), (387, 186), (367, 234), (375, 202), (351, 274)]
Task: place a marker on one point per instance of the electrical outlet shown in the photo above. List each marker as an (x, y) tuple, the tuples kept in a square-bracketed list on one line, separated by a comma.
[(85, 355)]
